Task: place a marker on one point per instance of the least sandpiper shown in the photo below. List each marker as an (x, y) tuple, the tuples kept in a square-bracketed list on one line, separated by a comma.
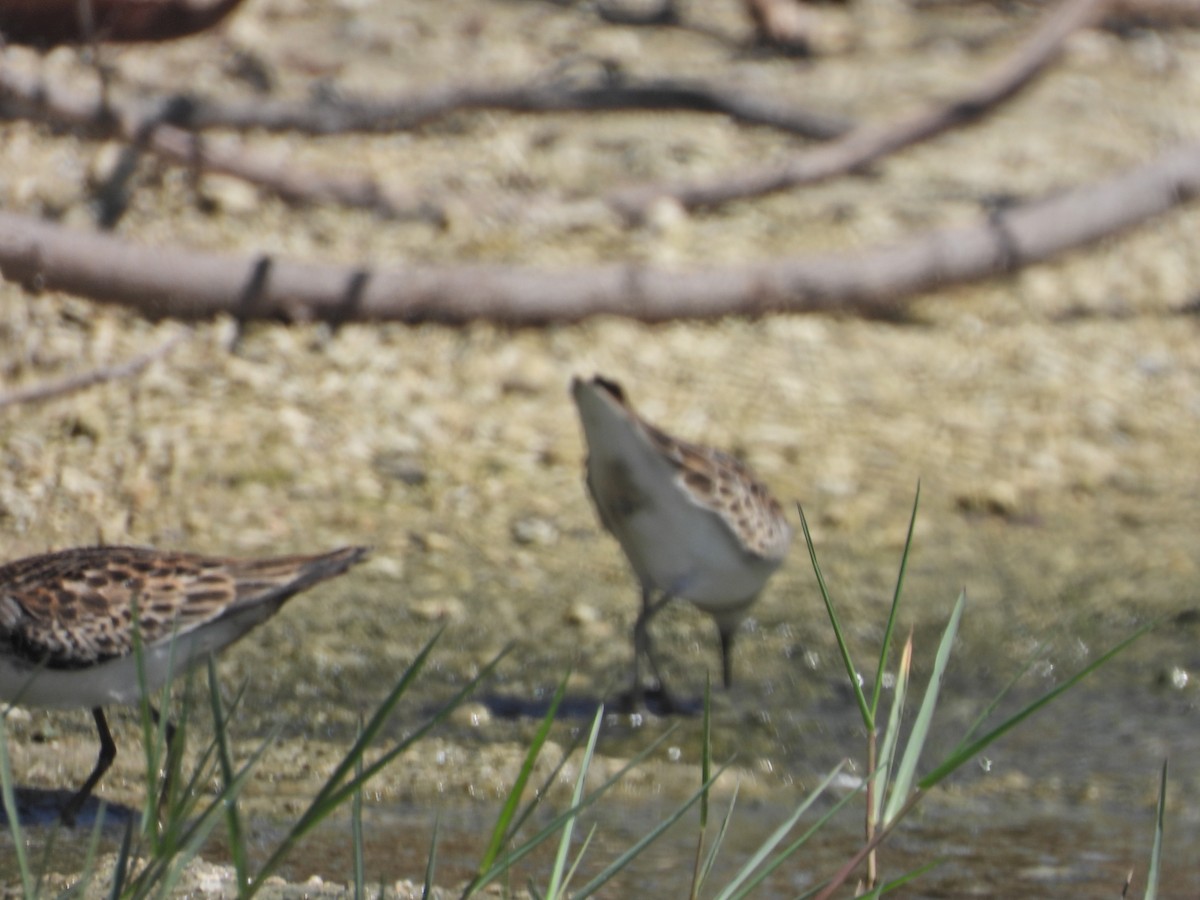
[(693, 521), (67, 623)]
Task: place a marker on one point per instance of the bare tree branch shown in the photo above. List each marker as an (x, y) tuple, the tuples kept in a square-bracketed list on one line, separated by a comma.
[(869, 143), (153, 127), (608, 93), (186, 284), (38, 393), (25, 97)]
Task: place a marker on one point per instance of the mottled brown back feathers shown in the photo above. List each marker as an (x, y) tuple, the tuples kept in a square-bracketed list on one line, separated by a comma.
[(75, 608)]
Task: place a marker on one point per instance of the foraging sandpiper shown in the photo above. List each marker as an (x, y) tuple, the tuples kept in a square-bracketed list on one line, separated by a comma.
[(67, 623), (693, 522)]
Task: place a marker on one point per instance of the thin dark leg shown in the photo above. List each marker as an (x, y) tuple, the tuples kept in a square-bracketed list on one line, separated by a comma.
[(727, 656), (643, 645), (108, 752)]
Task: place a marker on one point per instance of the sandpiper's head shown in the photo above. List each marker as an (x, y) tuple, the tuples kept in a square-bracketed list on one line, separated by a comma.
[(598, 385)]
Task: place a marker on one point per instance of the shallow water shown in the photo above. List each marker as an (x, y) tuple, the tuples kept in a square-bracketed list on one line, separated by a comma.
[(1064, 803)]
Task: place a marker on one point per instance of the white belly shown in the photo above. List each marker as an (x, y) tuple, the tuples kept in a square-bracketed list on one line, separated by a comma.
[(116, 681), (691, 556)]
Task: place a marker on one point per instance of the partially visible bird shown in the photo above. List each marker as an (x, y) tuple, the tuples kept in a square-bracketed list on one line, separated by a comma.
[(693, 521), (67, 623)]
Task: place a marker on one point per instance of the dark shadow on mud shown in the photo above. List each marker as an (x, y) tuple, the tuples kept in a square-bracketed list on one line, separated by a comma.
[(655, 703), (39, 808)]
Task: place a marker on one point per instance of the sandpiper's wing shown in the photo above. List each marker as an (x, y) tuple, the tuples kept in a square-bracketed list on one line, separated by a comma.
[(715, 481), (75, 608)]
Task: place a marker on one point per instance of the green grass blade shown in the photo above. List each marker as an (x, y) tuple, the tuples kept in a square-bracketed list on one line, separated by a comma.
[(957, 758), (1156, 852), (233, 821), (710, 858), (10, 810), (356, 829), (747, 879), (906, 772), (508, 860), (338, 796), (164, 869), (851, 672), (885, 646), (706, 748), (121, 866), (907, 878), (382, 713), (891, 737), (995, 702), (587, 842), (615, 867), (543, 790), (501, 833), (557, 882), (704, 862), (333, 793), (431, 862)]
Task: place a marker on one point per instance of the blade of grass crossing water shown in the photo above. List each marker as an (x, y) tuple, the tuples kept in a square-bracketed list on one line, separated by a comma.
[(382, 713), (500, 832), (700, 870), (548, 782), (908, 877), (1156, 852), (10, 810), (508, 860), (851, 671), (356, 829), (995, 702), (557, 882), (710, 858), (162, 873), (957, 758), (615, 867), (706, 748), (891, 737), (906, 772), (233, 822), (885, 646), (333, 793), (121, 866), (747, 879), (431, 861), (587, 842)]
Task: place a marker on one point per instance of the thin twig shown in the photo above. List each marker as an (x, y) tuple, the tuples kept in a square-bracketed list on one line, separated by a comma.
[(870, 143), (37, 393), (155, 126)]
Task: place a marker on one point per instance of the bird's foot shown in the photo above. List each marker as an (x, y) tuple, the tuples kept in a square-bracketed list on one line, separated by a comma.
[(654, 699)]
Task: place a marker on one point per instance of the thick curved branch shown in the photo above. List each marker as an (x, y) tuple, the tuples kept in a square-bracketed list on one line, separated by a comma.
[(185, 284), (869, 143)]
